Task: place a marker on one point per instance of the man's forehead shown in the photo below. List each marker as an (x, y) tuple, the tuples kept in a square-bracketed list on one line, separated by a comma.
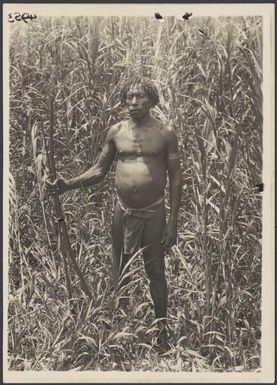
[(135, 88)]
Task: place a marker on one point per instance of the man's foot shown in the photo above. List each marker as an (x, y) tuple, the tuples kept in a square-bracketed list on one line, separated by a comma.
[(162, 345)]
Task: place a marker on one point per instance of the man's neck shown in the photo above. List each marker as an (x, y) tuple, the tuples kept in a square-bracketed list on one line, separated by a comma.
[(145, 120)]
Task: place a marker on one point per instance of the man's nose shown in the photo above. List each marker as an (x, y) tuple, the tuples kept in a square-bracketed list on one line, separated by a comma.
[(134, 100)]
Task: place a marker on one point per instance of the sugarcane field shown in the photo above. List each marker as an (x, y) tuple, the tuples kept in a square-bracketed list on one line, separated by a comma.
[(135, 186)]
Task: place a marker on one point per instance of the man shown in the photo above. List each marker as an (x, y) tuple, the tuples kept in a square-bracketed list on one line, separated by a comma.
[(146, 150)]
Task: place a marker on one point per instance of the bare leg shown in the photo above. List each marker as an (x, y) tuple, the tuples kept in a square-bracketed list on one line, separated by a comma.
[(155, 269), (153, 257)]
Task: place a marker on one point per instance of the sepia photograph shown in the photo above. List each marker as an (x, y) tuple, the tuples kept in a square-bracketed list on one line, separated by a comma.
[(138, 192)]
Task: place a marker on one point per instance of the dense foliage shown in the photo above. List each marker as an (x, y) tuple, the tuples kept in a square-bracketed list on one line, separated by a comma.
[(208, 72)]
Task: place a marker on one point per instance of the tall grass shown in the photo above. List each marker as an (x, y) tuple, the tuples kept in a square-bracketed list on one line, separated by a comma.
[(210, 87)]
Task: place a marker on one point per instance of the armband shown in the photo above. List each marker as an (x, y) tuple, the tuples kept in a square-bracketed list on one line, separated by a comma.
[(173, 156)]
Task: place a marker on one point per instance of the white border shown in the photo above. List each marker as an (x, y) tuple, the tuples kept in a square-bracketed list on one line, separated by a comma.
[(268, 333)]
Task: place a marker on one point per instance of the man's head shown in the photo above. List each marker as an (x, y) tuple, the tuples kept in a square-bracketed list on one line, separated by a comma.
[(140, 95)]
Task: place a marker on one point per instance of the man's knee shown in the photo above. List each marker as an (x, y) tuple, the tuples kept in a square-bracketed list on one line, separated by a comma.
[(154, 273)]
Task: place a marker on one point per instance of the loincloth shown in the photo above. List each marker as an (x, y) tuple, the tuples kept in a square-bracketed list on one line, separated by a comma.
[(134, 221)]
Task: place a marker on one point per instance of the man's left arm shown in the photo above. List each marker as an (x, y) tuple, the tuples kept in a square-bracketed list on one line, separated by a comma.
[(175, 188)]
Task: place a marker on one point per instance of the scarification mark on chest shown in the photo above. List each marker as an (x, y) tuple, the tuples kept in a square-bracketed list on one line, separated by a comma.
[(145, 143)]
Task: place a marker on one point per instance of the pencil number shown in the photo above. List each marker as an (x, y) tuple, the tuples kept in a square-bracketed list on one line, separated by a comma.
[(16, 16)]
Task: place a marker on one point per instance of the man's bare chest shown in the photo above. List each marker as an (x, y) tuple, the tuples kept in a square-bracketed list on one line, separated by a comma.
[(148, 143)]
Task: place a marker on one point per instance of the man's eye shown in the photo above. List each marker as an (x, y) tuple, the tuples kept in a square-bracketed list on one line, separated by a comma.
[(137, 96)]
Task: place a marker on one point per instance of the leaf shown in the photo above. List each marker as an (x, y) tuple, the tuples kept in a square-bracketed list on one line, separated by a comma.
[(194, 354), (90, 340), (120, 335), (181, 339), (145, 345), (140, 307), (12, 193), (222, 300), (200, 145), (216, 208), (231, 354), (239, 368), (202, 70), (34, 139), (220, 185)]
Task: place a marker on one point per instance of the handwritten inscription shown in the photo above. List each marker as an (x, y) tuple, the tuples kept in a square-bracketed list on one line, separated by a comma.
[(16, 16)]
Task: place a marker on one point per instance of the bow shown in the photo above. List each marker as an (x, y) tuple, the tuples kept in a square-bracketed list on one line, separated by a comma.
[(67, 252)]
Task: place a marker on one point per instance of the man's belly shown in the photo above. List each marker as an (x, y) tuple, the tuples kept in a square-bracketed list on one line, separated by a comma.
[(140, 183)]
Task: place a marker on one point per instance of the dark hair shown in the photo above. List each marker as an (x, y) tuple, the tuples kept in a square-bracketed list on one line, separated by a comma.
[(147, 85)]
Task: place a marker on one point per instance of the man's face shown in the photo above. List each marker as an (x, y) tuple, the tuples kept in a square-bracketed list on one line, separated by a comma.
[(138, 102)]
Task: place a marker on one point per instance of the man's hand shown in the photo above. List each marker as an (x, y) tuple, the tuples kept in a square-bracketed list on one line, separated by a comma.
[(169, 235), (59, 186)]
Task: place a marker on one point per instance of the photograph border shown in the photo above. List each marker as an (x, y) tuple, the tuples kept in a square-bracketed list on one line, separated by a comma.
[(266, 10)]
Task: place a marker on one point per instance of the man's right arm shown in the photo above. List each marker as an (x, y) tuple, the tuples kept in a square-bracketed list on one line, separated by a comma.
[(93, 175)]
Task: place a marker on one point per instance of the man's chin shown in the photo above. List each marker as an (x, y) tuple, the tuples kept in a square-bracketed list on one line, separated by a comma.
[(136, 115)]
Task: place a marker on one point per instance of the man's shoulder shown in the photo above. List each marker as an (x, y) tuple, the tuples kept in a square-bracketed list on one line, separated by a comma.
[(167, 131), (115, 128)]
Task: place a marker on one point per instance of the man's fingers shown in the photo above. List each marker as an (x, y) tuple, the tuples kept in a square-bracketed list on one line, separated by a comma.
[(52, 191), (52, 185), (168, 239)]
